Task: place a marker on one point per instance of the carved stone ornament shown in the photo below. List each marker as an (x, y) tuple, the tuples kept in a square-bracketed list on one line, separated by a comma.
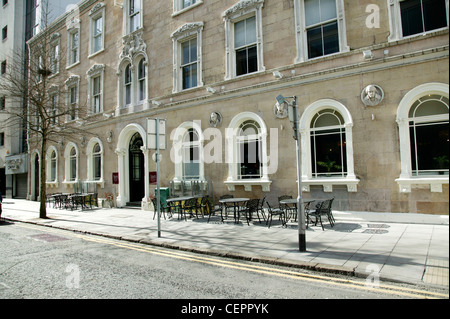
[(280, 110), (242, 5), (187, 29), (215, 119), (372, 95), (133, 44)]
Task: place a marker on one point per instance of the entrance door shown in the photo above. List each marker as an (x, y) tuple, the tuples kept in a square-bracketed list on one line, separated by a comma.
[(136, 160)]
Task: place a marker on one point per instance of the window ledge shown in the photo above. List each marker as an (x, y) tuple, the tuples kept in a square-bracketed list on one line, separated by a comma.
[(435, 183), (248, 184), (52, 184), (328, 184)]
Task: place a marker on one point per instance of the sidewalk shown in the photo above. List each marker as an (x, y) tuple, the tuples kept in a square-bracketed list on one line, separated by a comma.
[(410, 248)]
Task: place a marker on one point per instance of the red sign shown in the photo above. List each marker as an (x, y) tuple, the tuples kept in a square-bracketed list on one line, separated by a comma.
[(115, 178), (152, 178)]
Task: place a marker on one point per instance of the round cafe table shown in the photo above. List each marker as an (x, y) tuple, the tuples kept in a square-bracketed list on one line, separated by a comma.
[(235, 202)]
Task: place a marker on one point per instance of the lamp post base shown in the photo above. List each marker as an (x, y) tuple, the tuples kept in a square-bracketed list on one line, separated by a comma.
[(302, 242)]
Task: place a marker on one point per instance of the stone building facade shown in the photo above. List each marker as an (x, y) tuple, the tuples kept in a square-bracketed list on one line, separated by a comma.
[(370, 77)]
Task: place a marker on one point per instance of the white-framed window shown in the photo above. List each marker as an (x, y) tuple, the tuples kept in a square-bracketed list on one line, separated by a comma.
[(53, 111), (95, 154), (95, 81), (416, 17), (423, 123), (327, 146), (243, 39), (188, 152), (73, 47), (127, 85), (51, 159), (187, 59), (133, 15), (180, 6), (247, 152), (55, 43), (72, 89), (320, 26), (142, 80), (97, 28), (71, 163)]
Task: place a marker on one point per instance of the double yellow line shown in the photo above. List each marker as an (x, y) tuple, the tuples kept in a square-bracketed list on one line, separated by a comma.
[(260, 269)]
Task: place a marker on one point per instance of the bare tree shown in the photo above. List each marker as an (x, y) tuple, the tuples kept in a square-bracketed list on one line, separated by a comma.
[(50, 110)]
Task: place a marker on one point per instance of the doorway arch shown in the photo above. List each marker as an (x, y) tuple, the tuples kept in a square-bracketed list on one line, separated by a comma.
[(132, 146)]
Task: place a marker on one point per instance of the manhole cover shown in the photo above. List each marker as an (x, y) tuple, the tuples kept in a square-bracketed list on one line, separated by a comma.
[(375, 231), (48, 237)]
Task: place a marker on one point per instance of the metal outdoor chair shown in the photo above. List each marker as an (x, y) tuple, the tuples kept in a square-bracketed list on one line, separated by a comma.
[(250, 207), (225, 207), (163, 208), (323, 209), (261, 207), (189, 206), (211, 210), (275, 212)]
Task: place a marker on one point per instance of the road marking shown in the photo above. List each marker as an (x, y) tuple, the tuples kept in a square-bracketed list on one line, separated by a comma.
[(291, 274)]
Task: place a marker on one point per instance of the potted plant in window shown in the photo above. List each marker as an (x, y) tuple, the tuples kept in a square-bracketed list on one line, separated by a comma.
[(442, 162), (329, 166)]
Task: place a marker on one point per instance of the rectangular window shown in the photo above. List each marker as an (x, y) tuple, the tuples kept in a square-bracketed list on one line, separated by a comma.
[(74, 46), (53, 108), (54, 58), (97, 41), (321, 27), (2, 103), (420, 16), (428, 157), (245, 46), (134, 15), (187, 3), (328, 153), (3, 67), (96, 95), (2, 139), (5, 33), (189, 63), (73, 103)]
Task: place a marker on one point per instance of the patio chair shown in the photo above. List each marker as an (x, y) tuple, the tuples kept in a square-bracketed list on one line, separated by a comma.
[(211, 210), (225, 207), (189, 206), (163, 208), (275, 212), (324, 209), (251, 206), (261, 207)]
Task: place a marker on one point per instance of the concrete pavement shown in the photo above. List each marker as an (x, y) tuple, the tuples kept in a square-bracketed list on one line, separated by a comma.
[(410, 248)]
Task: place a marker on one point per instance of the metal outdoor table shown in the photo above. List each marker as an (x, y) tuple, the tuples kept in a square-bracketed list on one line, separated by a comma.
[(171, 201), (235, 202), (293, 201)]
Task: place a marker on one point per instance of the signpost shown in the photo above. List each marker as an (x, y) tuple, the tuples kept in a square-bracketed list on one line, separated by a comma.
[(156, 140)]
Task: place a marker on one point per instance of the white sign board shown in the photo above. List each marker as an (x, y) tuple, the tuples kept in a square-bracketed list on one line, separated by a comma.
[(151, 133)]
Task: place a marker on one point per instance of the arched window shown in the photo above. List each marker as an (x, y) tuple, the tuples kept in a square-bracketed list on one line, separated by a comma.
[(191, 155), (97, 161), (328, 144), (187, 153), (73, 165), (428, 126), (423, 124), (141, 80), (127, 85), (53, 166), (249, 146), (248, 162)]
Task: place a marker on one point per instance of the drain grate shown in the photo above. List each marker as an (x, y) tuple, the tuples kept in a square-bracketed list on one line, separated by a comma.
[(378, 226), (48, 238), (375, 231)]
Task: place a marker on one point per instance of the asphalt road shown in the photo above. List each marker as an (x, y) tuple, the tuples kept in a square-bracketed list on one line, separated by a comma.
[(41, 262)]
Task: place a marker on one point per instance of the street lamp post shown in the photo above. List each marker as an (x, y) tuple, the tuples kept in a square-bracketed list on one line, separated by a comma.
[(293, 118)]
